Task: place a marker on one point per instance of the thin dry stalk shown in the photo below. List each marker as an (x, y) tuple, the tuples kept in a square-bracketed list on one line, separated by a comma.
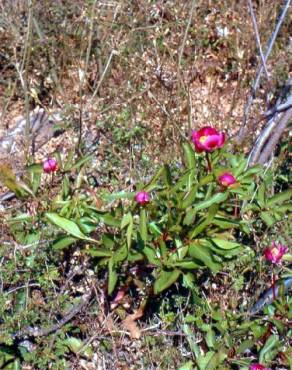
[(270, 44), (257, 35), (184, 40), (83, 74)]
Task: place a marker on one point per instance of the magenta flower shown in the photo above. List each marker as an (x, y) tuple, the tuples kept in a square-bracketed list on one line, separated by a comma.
[(142, 197), (50, 165), (275, 253), (208, 139), (226, 179), (258, 367)]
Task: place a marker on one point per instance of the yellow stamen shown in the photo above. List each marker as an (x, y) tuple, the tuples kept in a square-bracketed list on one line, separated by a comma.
[(274, 251), (203, 139)]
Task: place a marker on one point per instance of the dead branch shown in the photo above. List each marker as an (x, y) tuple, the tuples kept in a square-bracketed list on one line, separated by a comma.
[(243, 130), (261, 140), (42, 331), (275, 138), (269, 137)]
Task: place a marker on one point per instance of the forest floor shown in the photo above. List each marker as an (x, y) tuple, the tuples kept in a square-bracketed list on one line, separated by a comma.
[(125, 82)]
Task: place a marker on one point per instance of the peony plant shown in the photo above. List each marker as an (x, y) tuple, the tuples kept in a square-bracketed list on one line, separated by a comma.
[(188, 225)]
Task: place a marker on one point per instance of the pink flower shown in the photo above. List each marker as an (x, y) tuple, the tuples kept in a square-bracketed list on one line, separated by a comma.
[(208, 139), (142, 197), (50, 165), (226, 179), (275, 253), (258, 367)]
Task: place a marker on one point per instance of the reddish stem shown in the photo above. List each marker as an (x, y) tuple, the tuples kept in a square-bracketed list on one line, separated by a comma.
[(273, 286), (208, 162)]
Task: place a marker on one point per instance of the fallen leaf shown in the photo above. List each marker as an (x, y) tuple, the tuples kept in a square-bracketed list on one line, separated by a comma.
[(131, 326)]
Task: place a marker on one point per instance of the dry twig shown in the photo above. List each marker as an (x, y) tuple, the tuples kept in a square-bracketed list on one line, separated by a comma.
[(257, 35), (242, 132)]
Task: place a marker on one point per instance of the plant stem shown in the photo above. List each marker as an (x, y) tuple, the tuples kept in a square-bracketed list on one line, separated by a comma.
[(273, 286), (209, 162)]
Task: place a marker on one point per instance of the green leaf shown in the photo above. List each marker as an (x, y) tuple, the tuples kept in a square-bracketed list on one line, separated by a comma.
[(143, 225), (203, 360), (262, 195), (287, 257), (239, 167), (187, 366), (81, 162), (203, 224), (189, 198), (35, 168), (206, 180), (181, 249), (76, 346), (67, 225), (127, 218), (100, 252), (251, 171), (216, 360), (285, 208), (268, 219), (225, 244), (129, 234), (210, 338), (202, 253), (154, 229), (165, 280), (191, 340), (225, 223), (128, 221), (151, 255), (188, 265), (21, 218), (8, 178), (154, 181), (190, 216), (246, 344), (134, 256), (119, 195), (110, 220), (63, 242), (167, 175), (189, 155), (108, 240), (36, 181), (269, 345), (190, 162), (120, 254), (279, 198), (183, 181), (217, 198), (86, 225), (225, 253), (188, 280), (112, 276)]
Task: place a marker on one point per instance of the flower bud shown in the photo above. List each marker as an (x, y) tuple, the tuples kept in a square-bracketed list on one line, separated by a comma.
[(50, 165), (142, 197), (258, 367), (226, 179)]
